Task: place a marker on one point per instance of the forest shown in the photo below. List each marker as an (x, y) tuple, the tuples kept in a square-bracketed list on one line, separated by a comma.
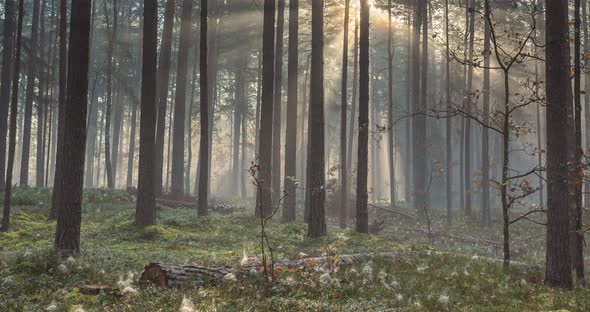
[(287, 155)]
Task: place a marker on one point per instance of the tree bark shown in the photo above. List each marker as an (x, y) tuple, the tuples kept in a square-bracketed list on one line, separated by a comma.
[(419, 120), (163, 77), (202, 206), (343, 192), (277, 106), (362, 217), (67, 234), (391, 110), (145, 213), (449, 125), (10, 16), (13, 113), (263, 197), (486, 218), (29, 95), (559, 97), (315, 163)]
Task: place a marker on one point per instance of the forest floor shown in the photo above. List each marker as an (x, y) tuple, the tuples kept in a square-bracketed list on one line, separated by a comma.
[(458, 271)]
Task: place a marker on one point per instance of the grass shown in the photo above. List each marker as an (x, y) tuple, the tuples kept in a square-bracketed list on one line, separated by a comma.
[(34, 278)]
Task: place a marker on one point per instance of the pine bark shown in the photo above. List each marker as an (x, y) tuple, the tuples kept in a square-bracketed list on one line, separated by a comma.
[(343, 192), (10, 16), (485, 176), (263, 196), (315, 163), (29, 95), (67, 234), (362, 217), (559, 97), (163, 77), (202, 196), (13, 114)]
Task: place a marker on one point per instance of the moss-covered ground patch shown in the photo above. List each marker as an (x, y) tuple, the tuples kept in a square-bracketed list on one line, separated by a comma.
[(34, 278)]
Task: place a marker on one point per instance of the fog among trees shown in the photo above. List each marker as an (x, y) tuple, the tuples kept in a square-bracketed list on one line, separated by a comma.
[(287, 155)]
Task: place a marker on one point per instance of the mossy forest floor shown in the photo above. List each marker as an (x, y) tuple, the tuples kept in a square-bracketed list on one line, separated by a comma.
[(449, 275)]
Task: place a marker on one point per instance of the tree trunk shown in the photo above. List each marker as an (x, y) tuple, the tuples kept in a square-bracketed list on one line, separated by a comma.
[(486, 218), (343, 192), (559, 97), (263, 196), (390, 121), (13, 113), (63, 54), (177, 185), (145, 213), (30, 94), (277, 106), (315, 163), (7, 68), (586, 92), (449, 126), (41, 103), (354, 100), (468, 98), (362, 217), (577, 170), (163, 77), (204, 98), (239, 102), (67, 234), (419, 120)]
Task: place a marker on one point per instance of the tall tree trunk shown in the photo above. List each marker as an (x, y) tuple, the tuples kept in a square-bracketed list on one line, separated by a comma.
[(263, 196), (67, 234), (468, 99), (177, 185), (109, 100), (343, 192), (419, 121), (41, 102), (10, 16), (317, 222), (245, 111), (202, 205), (277, 106), (30, 94), (354, 99), (559, 97), (63, 72), (362, 216), (577, 170), (13, 112), (391, 109), (163, 77), (237, 121), (449, 126), (486, 218), (258, 103), (586, 60), (409, 108), (145, 213)]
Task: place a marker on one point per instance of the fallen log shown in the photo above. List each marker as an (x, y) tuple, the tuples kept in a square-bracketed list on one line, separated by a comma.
[(173, 276)]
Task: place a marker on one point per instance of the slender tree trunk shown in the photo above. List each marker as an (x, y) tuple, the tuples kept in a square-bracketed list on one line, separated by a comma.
[(239, 102), (467, 158), (315, 163), (277, 106), (586, 60), (577, 170), (390, 120), (419, 120), (41, 102), (145, 213), (559, 97), (109, 100), (30, 94), (354, 99), (449, 126), (245, 109), (362, 216), (202, 205), (258, 103), (13, 113), (263, 197), (409, 109), (163, 77), (67, 234), (10, 17), (343, 192), (177, 185), (485, 176), (63, 71)]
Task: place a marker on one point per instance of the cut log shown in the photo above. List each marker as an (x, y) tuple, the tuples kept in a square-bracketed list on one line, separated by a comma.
[(173, 276)]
